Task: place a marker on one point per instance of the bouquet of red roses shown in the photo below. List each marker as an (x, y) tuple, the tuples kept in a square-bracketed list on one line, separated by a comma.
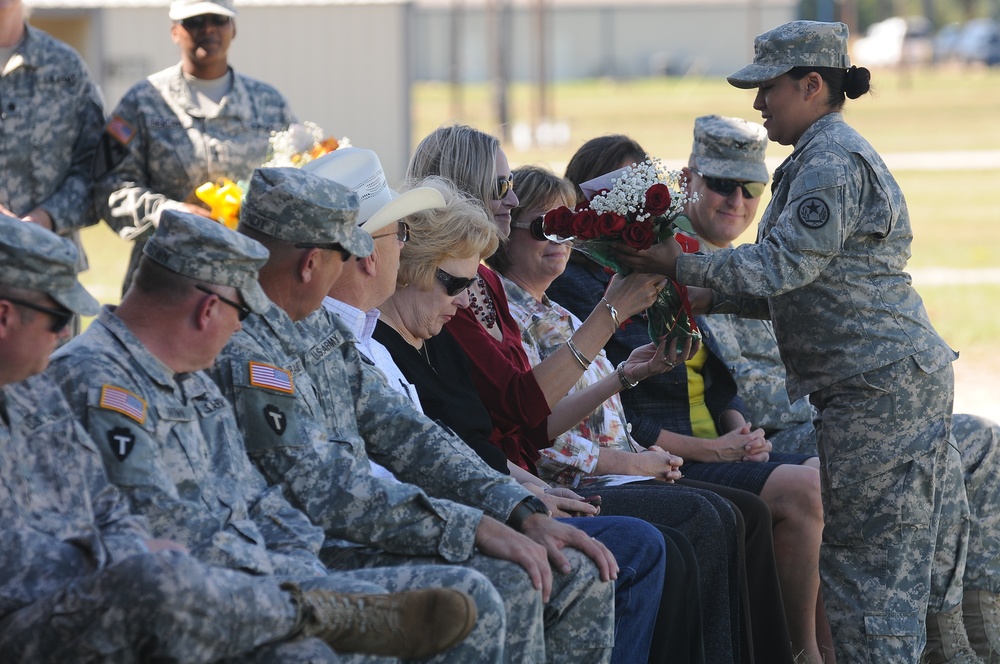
[(639, 206)]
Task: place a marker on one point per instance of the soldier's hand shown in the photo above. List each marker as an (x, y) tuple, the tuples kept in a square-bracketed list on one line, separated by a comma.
[(39, 217), (498, 541), (555, 536), (195, 209), (661, 258), (701, 299)]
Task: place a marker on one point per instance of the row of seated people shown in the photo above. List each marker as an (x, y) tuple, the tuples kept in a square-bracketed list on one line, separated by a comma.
[(298, 459)]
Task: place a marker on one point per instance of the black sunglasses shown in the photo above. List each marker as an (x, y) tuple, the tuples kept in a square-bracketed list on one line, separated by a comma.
[(503, 185), (453, 285), (192, 23), (402, 232), (536, 226), (60, 317), (725, 187), (242, 308), (330, 246)]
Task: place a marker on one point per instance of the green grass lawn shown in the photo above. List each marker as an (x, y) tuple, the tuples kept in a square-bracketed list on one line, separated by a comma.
[(954, 213)]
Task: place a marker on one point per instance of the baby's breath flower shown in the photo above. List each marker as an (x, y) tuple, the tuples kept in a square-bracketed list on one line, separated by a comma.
[(627, 195), (297, 145)]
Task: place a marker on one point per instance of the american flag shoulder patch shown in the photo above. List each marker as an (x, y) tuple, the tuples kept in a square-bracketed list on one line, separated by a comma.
[(270, 377), (124, 402), (120, 129)]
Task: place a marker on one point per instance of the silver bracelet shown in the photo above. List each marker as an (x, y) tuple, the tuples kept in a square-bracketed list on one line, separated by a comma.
[(626, 383), (612, 311), (580, 357)]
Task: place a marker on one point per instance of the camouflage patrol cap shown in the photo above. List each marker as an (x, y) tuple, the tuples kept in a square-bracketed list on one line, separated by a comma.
[(794, 44), (729, 148), (199, 248), (296, 206), (35, 259)]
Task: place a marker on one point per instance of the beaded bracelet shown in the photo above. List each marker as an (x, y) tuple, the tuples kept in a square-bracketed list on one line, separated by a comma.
[(612, 311), (626, 383), (580, 357)]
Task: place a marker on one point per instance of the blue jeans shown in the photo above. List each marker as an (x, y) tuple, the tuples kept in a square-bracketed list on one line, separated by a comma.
[(641, 554)]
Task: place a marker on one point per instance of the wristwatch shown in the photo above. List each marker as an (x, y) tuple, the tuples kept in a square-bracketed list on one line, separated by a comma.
[(524, 509)]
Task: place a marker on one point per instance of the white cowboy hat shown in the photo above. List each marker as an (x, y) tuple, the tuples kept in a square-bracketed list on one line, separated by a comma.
[(360, 170)]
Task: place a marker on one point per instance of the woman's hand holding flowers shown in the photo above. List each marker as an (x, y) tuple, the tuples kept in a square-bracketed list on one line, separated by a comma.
[(633, 294)]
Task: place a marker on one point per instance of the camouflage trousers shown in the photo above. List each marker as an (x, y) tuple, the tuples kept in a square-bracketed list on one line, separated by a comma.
[(978, 442), (168, 607), (163, 607), (892, 493), (575, 626)]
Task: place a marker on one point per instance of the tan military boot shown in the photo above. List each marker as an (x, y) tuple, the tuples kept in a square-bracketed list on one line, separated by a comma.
[(413, 624), (947, 642), (982, 621)]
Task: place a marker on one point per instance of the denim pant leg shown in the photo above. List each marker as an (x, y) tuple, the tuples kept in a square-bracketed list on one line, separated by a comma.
[(641, 554)]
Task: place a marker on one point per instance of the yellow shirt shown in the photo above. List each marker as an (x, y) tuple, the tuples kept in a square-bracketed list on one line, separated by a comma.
[(702, 425)]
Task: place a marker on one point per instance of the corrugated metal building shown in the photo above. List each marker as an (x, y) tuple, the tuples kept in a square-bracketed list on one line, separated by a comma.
[(593, 38), (343, 65), (348, 65)]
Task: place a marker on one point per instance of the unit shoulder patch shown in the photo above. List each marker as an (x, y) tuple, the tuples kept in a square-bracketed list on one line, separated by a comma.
[(813, 212)]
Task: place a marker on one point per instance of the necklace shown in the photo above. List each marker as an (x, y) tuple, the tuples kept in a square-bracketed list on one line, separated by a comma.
[(485, 312)]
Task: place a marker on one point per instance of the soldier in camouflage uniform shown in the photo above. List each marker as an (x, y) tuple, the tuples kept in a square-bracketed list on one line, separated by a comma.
[(319, 454), (733, 150), (50, 123), (170, 441), (828, 267), (192, 123), (81, 579)]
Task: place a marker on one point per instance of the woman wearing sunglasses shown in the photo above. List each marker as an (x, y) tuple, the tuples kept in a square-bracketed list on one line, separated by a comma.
[(526, 405), (436, 268)]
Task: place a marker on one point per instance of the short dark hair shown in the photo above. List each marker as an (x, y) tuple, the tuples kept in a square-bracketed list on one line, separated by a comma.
[(599, 156), (25, 314)]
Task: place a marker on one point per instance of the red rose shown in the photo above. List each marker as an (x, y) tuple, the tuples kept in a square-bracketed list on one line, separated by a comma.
[(639, 235), (657, 199), (585, 225), (610, 225), (559, 222)]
